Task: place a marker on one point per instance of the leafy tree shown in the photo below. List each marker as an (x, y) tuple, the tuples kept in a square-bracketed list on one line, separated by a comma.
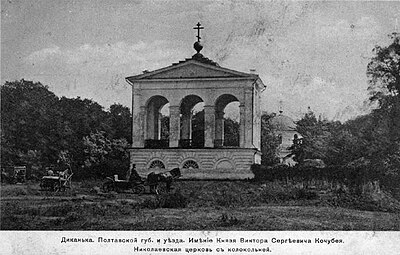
[(29, 123), (269, 141), (384, 72), (120, 122), (198, 128), (78, 119), (104, 156), (384, 85), (316, 135), (37, 126), (165, 127), (231, 132)]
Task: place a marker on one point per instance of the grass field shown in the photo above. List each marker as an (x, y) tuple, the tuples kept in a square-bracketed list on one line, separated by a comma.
[(195, 205)]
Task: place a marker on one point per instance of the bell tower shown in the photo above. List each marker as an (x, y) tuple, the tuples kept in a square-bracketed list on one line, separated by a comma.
[(201, 151)]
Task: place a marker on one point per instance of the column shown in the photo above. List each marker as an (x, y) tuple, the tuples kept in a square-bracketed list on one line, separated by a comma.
[(137, 119), (242, 126), (174, 126), (248, 137), (219, 128), (209, 125), (138, 128)]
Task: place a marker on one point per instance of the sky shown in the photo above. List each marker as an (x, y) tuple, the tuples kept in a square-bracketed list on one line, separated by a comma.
[(309, 54)]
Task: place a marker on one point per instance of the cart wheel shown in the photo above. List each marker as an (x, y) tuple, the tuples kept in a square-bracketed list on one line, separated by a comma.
[(138, 189), (160, 189), (108, 186)]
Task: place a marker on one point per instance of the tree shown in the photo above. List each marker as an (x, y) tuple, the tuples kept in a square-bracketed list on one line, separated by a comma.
[(120, 122), (316, 135), (384, 85), (104, 156), (384, 72), (231, 132), (165, 127), (29, 123), (198, 128), (78, 119), (269, 141), (37, 126)]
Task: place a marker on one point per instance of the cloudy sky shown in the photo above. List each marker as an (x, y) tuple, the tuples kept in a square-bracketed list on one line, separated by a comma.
[(307, 53)]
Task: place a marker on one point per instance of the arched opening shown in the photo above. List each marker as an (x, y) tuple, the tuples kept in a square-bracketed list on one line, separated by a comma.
[(192, 122), (227, 121), (157, 122), (164, 133), (190, 164), (156, 166)]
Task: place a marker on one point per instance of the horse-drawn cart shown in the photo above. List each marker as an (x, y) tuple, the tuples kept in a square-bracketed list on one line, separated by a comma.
[(156, 183), (56, 183)]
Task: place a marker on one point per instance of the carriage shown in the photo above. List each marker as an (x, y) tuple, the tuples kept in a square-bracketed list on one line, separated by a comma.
[(156, 183), (59, 182)]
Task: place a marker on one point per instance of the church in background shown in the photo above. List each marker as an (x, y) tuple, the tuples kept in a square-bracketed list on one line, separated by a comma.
[(285, 128)]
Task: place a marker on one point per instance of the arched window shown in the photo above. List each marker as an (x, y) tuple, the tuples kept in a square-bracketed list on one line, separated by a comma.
[(157, 164), (190, 164)]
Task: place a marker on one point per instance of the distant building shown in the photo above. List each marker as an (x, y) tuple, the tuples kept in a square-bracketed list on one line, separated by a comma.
[(285, 128)]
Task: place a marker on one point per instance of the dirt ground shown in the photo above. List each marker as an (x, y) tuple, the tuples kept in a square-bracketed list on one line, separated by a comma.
[(192, 205)]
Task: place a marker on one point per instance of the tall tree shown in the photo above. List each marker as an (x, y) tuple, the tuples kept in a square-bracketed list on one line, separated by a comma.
[(29, 122), (384, 85), (316, 135)]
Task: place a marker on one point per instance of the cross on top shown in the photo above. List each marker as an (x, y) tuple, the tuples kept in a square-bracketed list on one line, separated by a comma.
[(198, 27)]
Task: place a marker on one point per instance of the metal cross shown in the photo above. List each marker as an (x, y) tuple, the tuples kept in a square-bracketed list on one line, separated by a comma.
[(198, 31)]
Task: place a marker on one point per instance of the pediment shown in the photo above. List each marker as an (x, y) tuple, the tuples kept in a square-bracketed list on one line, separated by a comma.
[(190, 70)]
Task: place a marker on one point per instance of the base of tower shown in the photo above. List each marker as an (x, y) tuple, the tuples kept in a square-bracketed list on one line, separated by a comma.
[(207, 163)]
